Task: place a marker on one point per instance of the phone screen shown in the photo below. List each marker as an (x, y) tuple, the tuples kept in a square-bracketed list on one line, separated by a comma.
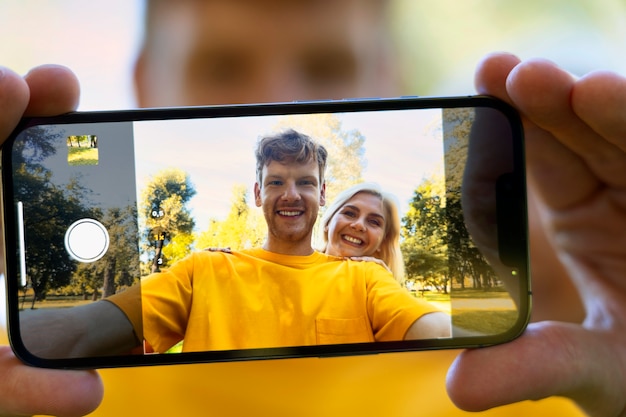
[(100, 208)]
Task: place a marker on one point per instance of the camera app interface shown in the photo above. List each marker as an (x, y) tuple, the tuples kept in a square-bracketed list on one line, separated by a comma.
[(102, 207)]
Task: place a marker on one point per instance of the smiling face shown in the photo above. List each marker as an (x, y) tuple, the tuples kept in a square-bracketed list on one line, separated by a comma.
[(290, 195), (358, 227)]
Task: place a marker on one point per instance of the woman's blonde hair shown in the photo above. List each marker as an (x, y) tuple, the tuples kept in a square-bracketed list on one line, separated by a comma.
[(390, 246)]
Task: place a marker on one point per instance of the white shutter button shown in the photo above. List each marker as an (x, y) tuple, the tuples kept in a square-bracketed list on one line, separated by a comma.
[(86, 240)]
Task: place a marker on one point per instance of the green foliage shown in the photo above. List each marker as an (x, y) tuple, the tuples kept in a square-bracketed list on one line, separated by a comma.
[(119, 267), (178, 246), (437, 248), (465, 260), (457, 125), (50, 207), (82, 156), (243, 228), (424, 246), (48, 210), (442, 41), (346, 154), (163, 207)]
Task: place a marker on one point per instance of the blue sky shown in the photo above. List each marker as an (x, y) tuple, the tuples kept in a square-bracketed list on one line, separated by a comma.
[(401, 148)]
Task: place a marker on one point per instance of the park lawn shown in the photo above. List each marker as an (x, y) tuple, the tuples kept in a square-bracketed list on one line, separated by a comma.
[(52, 300), (485, 321), (432, 296), (478, 293), (25, 304), (82, 156)]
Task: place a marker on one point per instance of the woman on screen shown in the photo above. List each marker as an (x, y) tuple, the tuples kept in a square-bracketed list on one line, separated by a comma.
[(363, 221)]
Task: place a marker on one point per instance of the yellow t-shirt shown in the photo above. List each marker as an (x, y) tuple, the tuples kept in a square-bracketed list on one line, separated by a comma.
[(395, 384), (405, 384), (255, 298)]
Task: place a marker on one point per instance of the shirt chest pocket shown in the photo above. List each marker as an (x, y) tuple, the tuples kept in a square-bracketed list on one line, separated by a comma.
[(341, 330)]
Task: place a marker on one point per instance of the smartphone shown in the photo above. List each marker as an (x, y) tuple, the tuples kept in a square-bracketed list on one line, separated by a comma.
[(104, 212)]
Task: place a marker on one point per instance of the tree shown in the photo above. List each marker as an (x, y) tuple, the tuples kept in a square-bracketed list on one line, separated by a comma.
[(457, 124), (165, 217), (49, 208), (119, 267), (465, 260), (242, 228), (424, 246), (346, 154), (121, 263)]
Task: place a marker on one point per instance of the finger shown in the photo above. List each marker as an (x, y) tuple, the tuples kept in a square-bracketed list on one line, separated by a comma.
[(549, 359), (491, 78), (14, 97), (499, 73), (492, 73), (542, 92), (26, 390), (555, 297), (557, 175), (599, 99), (53, 90), (549, 161), (551, 165)]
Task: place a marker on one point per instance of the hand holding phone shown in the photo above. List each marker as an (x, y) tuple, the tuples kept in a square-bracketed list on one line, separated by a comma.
[(95, 202), (27, 390)]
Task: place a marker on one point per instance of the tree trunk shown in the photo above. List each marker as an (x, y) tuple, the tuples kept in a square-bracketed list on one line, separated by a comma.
[(108, 287)]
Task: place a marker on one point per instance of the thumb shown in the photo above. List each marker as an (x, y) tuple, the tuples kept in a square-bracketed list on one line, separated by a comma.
[(27, 390), (54, 89), (549, 359)]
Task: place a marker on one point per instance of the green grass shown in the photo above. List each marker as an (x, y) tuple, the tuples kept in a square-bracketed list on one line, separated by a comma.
[(436, 296), (485, 321), (53, 301), (82, 156), (472, 293)]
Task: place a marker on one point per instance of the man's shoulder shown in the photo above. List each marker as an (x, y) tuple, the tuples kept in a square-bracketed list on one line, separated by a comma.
[(252, 255), (219, 254)]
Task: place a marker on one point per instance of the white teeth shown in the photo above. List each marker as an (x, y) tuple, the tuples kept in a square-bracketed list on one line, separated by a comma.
[(290, 213), (353, 240)]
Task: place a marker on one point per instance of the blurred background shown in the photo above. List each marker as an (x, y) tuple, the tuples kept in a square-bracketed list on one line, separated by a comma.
[(439, 42)]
